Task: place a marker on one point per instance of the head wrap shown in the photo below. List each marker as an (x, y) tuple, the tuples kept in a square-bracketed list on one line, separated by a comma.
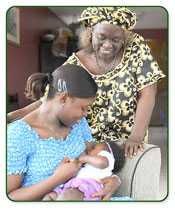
[(113, 15)]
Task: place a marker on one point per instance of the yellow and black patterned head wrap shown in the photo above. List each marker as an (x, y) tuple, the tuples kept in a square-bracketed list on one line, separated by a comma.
[(113, 15)]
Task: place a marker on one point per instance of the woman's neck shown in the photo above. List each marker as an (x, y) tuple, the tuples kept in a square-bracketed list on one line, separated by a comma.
[(44, 117), (46, 126), (92, 60)]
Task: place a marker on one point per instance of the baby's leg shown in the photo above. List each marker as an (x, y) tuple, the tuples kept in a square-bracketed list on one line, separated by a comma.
[(52, 196), (71, 194)]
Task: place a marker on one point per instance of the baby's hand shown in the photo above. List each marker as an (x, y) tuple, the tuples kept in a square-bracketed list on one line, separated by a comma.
[(83, 158), (69, 167)]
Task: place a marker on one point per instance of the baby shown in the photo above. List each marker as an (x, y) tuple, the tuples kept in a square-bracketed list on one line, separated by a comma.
[(99, 161)]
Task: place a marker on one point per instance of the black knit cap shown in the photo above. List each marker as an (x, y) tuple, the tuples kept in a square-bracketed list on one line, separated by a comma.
[(75, 80)]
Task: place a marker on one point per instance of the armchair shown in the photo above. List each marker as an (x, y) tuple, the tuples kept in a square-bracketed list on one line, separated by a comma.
[(141, 174)]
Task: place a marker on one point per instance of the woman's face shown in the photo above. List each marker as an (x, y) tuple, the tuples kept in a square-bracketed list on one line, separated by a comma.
[(73, 109), (107, 40)]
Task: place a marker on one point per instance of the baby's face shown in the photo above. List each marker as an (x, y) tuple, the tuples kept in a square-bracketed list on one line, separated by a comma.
[(97, 148)]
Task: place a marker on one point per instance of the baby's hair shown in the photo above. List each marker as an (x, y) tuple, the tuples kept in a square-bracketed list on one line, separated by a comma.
[(119, 156)]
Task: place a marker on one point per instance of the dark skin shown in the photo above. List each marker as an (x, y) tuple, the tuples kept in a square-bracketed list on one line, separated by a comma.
[(52, 119), (91, 157), (107, 41)]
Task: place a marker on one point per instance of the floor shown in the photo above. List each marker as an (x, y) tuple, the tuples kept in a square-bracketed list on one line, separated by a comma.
[(158, 136)]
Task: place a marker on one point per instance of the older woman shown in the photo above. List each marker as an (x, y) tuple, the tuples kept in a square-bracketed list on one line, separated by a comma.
[(121, 63), (126, 74)]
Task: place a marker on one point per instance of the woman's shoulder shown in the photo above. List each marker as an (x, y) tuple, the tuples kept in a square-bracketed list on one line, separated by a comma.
[(134, 41), (72, 59), (82, 126), (16, 125), (78, 57), (18, 129), (135, 37), (81, 123)]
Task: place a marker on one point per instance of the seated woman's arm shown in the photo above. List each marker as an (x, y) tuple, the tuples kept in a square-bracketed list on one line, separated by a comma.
[(37, 191), (111, 184), (20, 113)]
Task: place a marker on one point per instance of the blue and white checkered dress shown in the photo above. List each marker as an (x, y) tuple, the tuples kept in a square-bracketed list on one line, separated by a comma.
[(36, 158)]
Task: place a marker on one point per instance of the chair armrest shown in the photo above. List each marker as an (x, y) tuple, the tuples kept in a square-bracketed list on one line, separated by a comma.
[(141, 174)]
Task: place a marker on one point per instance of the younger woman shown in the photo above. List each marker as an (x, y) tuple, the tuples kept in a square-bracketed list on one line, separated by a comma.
[(39, 142)]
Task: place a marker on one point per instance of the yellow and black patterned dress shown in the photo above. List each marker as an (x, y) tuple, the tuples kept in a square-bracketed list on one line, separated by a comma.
[(111, 117)]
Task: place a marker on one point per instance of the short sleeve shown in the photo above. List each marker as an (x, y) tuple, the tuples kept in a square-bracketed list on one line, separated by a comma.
[(146, 67), (16, 149), (86, 132)]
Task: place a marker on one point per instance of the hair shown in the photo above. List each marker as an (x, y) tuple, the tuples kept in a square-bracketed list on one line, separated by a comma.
[(69, 78), (36, 85), (119, 156)]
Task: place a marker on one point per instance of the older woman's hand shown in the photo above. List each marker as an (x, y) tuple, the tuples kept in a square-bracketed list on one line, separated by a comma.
[(132, 147), (111, 184)]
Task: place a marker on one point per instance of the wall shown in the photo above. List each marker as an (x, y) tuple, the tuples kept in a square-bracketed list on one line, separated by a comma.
[(23, 60), (158, 42)]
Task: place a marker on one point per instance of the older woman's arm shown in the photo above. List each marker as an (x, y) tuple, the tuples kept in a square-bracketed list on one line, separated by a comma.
[(143, 114), (144, 110)]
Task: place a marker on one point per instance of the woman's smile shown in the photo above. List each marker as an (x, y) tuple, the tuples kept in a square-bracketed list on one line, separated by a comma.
[(108, 51)]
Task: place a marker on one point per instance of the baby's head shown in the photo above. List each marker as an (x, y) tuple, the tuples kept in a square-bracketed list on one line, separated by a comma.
[(119, 156), (115, 149)]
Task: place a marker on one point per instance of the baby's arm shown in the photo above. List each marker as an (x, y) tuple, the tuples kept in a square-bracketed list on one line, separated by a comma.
[(96, 160)]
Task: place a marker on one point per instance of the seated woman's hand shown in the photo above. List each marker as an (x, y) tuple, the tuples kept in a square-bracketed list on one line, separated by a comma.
[(110, 184), (68, 167), (132, 147)]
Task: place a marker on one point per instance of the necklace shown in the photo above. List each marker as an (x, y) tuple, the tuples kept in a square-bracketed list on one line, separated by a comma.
[(103, 67)]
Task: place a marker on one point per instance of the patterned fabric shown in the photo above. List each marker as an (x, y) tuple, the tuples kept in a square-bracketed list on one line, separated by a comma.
[(113, 15), (111, 117), (37, 158)]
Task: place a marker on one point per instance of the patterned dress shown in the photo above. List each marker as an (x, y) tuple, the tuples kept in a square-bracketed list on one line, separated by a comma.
[(111, 117)]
